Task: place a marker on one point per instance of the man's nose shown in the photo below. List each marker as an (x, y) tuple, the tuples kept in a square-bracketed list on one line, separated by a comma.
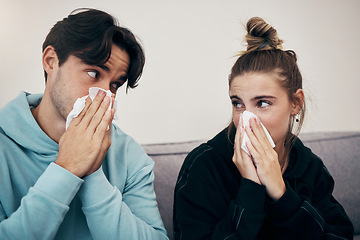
[(104, 84)]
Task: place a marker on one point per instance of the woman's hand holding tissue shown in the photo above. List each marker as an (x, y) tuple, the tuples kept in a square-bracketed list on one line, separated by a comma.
[(84, 144), (241, 159), (264, 160)]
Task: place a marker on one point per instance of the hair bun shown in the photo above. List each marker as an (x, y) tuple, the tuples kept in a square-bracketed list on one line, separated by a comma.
[(261, 36)]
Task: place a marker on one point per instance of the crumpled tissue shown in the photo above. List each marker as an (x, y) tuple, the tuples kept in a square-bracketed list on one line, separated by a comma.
[(80, 104), (246, 116)]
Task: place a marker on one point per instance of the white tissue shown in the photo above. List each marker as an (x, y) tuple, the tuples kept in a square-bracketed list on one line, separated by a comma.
[(80, 104), (246, 116)]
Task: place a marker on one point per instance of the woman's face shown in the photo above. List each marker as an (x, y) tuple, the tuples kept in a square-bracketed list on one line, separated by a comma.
[(262, 94)]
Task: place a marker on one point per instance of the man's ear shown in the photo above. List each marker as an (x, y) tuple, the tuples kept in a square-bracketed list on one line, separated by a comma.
[(299, 98), (50, 60)]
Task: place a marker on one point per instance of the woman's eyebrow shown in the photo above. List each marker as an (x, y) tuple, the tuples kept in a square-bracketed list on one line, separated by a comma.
[(236, 97), (262, 97)]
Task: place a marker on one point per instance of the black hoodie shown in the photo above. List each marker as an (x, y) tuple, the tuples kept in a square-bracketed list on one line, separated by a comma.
[(213, 201)]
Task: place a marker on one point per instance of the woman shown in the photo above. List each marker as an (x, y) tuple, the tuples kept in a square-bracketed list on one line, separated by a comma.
[(283, 192)]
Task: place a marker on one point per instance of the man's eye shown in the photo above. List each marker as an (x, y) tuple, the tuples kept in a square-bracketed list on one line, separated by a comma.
[(93, 74), (115, 86)]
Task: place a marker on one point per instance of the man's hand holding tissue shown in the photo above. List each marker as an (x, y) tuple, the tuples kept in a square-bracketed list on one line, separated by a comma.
[(84, 144), (264, 167)]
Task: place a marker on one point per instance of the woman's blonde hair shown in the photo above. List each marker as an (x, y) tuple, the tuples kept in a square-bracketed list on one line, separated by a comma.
[(265, 54)]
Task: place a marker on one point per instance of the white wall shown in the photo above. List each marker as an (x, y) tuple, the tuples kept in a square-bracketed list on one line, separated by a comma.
[(189, 44)]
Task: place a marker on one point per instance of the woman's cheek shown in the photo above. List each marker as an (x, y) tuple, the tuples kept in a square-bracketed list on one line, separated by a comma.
[(236, 119), (269, 125), (277, 129)]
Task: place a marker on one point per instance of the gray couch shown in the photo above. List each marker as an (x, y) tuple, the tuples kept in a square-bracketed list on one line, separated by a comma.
[(340, 152)]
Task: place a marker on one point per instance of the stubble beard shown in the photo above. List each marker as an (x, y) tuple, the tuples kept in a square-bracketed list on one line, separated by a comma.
[(59, 97)]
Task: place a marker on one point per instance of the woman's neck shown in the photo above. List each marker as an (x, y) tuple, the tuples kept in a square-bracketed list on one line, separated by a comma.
[(283, 156)]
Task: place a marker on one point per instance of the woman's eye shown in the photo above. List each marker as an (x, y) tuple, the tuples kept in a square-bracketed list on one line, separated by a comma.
[(237, 104), (93, 74), (263, 104)]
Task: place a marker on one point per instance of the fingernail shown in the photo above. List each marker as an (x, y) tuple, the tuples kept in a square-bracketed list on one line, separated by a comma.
[(258, 120), (106, 99), (101, 93)]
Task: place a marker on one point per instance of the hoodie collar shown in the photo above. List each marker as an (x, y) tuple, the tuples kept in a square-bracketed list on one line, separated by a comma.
[(222, 143), (18, 123), (300, 158)]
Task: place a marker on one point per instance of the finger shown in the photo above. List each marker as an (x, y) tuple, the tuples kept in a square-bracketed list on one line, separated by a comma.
[(238, 137), (258, 138), (99, 115), (242, 157), (245, 164), (101, 129), (246, 158), (78, 119), (244, 154), (93, 108), (256, 157), (113, 99), (256, 149), (250, 130), (259, 132)]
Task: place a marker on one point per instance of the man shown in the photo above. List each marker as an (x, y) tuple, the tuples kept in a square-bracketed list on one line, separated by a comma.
[(91, 181)]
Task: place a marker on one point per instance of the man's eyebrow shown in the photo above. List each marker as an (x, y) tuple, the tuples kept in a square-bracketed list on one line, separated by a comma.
[(123, 77), (105, 68)]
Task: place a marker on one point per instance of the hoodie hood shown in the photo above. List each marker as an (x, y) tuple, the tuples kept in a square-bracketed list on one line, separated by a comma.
[(18, 124), (222, 143)]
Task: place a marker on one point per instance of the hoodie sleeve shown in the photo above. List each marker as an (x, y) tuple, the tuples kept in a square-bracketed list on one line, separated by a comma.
[(131, 213), (43, 209), (311, 212), (202, 211)]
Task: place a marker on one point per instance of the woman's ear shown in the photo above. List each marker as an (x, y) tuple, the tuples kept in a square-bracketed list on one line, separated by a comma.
[(298, 102), (50, 60)]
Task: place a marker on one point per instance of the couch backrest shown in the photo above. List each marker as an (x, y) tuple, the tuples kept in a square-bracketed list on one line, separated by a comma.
[(339, 151), (168, 159)]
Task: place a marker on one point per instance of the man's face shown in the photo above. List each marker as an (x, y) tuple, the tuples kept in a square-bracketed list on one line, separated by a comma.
[(74, 78)]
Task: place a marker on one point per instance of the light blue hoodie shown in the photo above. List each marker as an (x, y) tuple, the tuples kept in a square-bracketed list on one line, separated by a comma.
[(41, 200)]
